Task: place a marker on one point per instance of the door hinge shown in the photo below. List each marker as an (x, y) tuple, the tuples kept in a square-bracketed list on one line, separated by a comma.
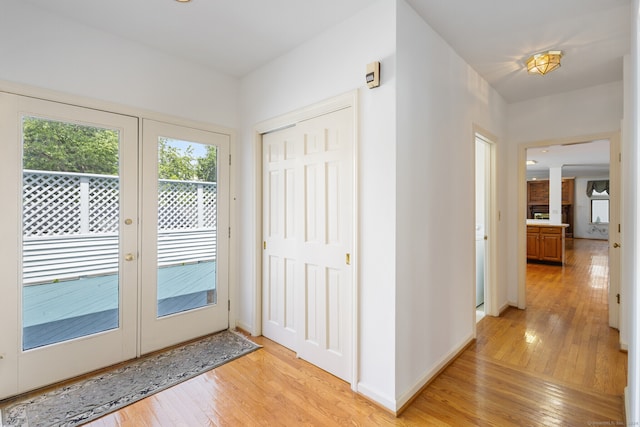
[(229, 232), (228, 305), (229, 159), (618, 298)]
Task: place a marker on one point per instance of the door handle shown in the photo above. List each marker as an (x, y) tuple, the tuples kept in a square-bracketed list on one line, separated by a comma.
[(616, 245), (129, 257)]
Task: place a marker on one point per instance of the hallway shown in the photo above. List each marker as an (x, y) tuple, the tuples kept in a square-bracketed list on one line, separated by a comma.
[(563, 335), (556, 363)]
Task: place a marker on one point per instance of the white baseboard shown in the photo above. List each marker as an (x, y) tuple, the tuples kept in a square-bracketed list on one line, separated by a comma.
[(626, 407), (379, 398), (505, 306), (431, 373)]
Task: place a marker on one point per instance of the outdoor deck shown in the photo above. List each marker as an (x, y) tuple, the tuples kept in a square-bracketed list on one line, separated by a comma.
[(71, 252), (64, 310)]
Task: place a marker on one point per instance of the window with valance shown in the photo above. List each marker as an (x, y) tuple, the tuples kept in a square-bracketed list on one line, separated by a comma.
[(601, 186), (598, 192)]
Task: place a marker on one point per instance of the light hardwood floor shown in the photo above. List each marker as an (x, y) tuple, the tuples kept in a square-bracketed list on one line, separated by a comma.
[(555, 364)]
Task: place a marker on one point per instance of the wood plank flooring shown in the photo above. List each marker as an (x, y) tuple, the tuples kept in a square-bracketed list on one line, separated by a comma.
[(555, 364)]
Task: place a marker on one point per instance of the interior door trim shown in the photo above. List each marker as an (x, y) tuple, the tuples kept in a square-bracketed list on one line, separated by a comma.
[(613, 137), (491, 285)]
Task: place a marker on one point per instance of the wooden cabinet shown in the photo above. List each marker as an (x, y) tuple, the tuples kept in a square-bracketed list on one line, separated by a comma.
[(538, 201), (567, 191), (533, 245), (538, 192), (545, 243)]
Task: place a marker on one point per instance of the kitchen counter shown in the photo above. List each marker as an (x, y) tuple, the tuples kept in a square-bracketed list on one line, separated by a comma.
[(545, 222), (545, 241)]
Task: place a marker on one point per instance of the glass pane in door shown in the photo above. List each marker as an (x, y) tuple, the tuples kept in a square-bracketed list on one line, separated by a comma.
[(70, 216), (187, 225)]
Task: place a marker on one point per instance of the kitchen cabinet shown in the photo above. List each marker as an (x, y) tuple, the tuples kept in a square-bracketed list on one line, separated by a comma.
[(538, 192), (546, 243), (538, 201)]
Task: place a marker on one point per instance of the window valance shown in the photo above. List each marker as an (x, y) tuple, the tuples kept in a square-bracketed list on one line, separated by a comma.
[(598, 186)]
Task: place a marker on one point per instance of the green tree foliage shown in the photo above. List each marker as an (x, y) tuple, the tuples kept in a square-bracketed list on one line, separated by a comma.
[(174, 163), (182, 164), (68, 147), (207, 166)]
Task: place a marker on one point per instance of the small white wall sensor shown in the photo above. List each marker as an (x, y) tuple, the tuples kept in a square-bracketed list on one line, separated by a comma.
[(373, 75)]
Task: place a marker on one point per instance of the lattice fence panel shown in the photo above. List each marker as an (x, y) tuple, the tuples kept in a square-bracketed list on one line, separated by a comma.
[(51, 204), (177, 205), (56, 204), (186, 205), (104, 197), (210, 204)]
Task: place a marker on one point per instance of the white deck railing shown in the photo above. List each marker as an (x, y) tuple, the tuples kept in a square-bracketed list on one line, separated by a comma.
[(70, 224), (50, 259)]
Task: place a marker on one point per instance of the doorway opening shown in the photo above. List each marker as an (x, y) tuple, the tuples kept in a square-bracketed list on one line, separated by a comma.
[(485, 225), (572, 167)]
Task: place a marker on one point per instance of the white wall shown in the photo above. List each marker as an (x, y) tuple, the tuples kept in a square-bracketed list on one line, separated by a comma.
[(45, 50), (435, 279), (331, 64), (583, 112), (416, 263), (582, 227), (632, 213)]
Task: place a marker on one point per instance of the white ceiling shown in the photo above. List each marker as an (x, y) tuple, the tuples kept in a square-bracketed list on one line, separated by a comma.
[(588, 159), (236, 37), (495, 37), (230, 36)]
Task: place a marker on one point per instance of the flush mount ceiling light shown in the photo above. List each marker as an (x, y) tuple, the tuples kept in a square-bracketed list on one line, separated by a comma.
[(183, 1), (531, 162), (544, 62)]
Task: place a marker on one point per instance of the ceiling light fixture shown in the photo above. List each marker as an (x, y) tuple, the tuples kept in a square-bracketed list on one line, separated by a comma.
[(544, 62), (183, 1), (531, 162)]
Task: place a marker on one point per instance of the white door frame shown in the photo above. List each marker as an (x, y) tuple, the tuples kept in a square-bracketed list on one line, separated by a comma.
[(615, 228), (347, 100), (614, 140), (491, 220)]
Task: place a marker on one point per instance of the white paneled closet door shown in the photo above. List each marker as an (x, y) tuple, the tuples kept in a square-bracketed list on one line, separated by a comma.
[(281, 235), (308, 229)]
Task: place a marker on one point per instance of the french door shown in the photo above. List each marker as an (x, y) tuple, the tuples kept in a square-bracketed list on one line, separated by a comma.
[(185, 234), (100, 252)]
